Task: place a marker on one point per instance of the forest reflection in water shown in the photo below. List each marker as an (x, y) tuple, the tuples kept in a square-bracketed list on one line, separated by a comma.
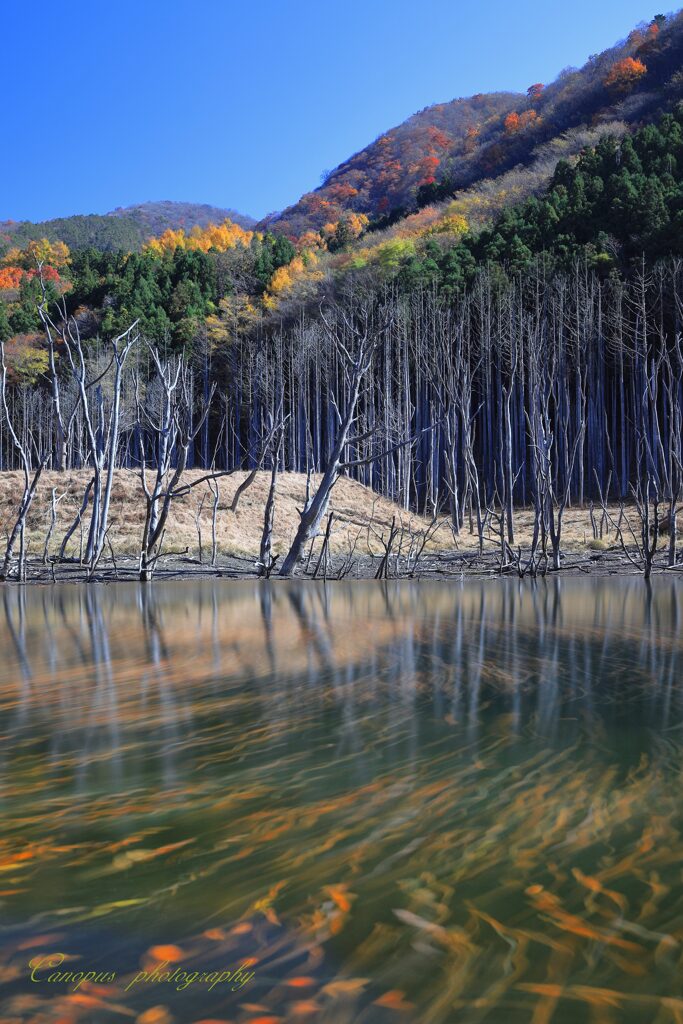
[(425, 802)]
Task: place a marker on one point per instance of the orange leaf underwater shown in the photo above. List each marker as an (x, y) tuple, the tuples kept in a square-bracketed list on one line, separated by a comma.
[(173, 954), (394, 1000)]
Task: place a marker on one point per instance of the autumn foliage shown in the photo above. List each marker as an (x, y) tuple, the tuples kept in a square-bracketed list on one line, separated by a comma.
[(471, 135), (515, 122), (624, 74), (10, 277), (388, 174), (299, 275), (26, 358), (219, 237), (42, 256)]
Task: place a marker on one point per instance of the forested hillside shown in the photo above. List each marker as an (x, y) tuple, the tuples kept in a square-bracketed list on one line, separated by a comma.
[(126, 228), (619, 203), (597, 192), (181, 287), (385, 176), (155, 218), (450, 146)]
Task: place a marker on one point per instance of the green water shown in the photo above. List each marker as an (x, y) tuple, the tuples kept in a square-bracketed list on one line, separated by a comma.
[(401, 802)]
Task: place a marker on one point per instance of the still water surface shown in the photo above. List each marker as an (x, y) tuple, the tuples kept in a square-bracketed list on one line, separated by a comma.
[(411, 803)]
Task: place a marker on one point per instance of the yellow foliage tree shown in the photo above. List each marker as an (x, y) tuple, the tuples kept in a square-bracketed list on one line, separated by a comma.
[(26, 359), (54, 254), (220, 237), (302, 271), (236, 315), (453, 224), (38, 251)]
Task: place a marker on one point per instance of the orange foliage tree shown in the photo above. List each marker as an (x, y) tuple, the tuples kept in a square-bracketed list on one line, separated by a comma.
[(624, 74), (438, 138), (300, 273), (10, 277), (346, 229), (517, 122), (426, 170)]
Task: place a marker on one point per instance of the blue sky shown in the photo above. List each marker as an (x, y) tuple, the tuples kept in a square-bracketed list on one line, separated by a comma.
[(244, 104)]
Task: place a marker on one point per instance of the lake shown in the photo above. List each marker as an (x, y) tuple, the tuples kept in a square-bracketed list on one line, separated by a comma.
[(359, 802)]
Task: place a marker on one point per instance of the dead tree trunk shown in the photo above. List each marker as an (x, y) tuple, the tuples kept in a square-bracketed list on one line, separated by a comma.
[(356, 347), (30, 481), (266, 562)]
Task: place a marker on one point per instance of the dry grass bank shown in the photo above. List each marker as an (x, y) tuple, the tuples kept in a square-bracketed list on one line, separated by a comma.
[(239, 533)]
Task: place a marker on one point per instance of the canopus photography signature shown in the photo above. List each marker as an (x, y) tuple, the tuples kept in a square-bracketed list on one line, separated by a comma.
[(46, 969)]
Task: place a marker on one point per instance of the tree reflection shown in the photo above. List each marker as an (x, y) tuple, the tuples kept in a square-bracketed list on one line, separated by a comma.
[(133, 673)]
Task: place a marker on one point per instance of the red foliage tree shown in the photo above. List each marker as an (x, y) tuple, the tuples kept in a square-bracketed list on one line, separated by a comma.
[(426, 169), (439, 139), (49, 274)]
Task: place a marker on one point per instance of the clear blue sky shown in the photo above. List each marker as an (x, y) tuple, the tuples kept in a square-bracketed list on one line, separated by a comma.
[(244, 103)]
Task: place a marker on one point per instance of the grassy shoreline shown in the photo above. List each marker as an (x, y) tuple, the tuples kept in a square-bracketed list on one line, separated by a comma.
[(357, 543)]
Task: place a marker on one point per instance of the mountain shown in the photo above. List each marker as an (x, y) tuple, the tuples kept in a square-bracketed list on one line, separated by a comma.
[(452, 146), (155, 218), (125, 228), (385, 174), (83, 231)]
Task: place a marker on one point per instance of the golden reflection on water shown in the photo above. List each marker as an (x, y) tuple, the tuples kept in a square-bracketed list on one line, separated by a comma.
[(429, 802)]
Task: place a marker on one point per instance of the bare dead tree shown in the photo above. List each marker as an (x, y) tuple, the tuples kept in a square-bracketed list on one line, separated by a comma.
[(214, 487), (102, 430), (383, 568), (198, 526), (173, 428), (355, 341), (60, 426), (645, 496), (418, 543), (349, 561), (170, 425), (77, 523), (266, 562), (54, 501), (672, 452), (324, 557), (121, 346), (31, 479)]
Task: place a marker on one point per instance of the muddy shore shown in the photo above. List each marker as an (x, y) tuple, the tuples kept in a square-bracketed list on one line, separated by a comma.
[(442, 565)]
